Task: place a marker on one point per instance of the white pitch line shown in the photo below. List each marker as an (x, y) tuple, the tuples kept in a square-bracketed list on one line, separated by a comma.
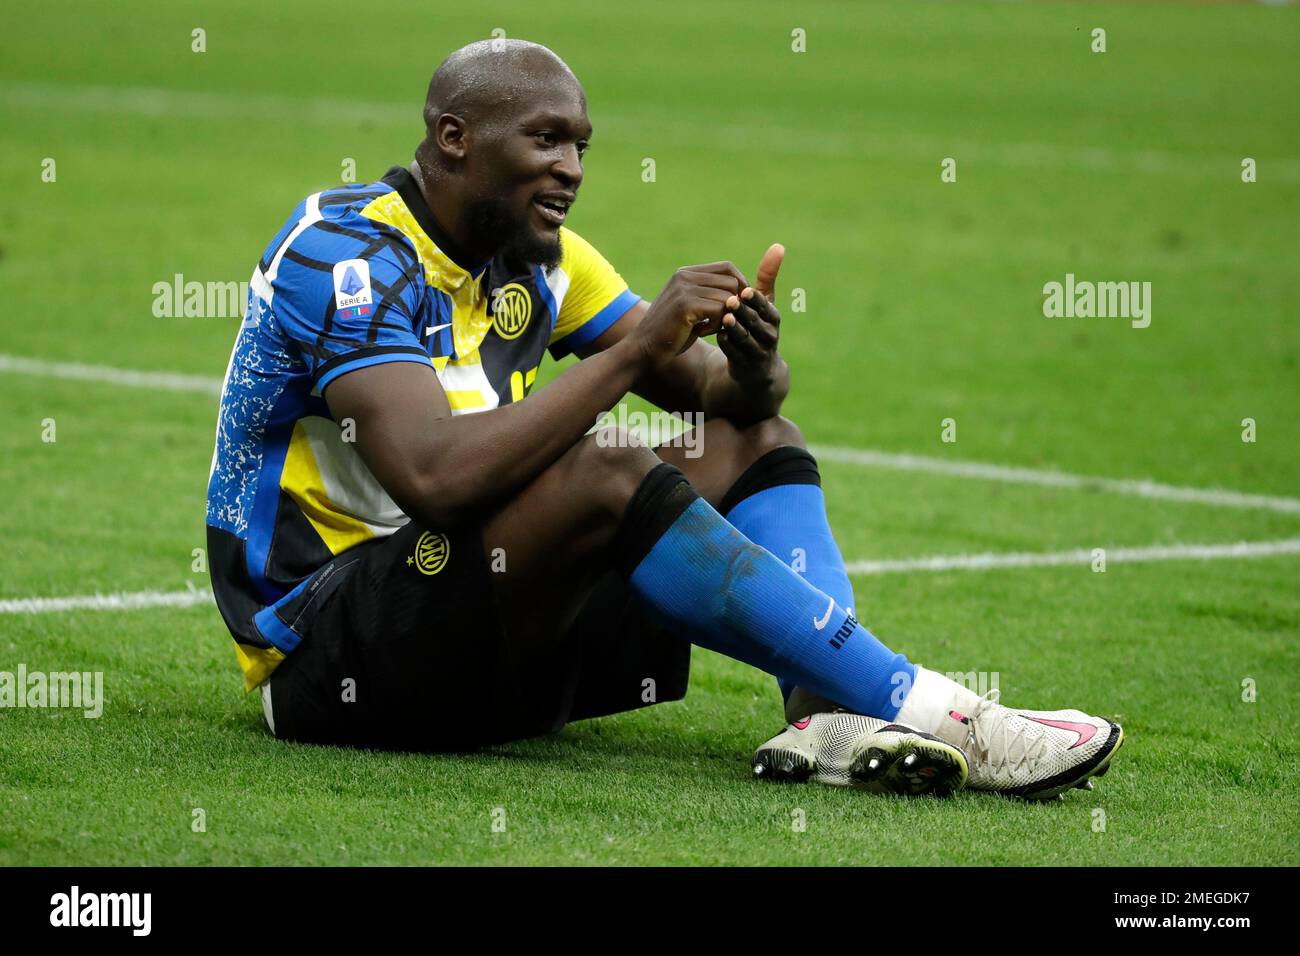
[(864, 457), (167, 381), (1082, 556), (1222, 497), (192, 597), (117, 601)]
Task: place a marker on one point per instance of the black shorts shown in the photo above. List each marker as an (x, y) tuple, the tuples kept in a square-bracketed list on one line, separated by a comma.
[(409, 653)]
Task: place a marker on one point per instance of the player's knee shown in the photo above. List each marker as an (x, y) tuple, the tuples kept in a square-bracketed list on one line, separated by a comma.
[(772, 433), (609, 464)]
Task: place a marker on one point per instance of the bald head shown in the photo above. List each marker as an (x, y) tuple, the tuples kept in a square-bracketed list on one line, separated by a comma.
[(490, 81), (506, 128)]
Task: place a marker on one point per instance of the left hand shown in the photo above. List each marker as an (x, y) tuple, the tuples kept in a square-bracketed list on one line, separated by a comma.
[(752, 325)]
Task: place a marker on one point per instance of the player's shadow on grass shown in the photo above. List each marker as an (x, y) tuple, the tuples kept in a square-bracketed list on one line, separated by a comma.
[(601, 738)]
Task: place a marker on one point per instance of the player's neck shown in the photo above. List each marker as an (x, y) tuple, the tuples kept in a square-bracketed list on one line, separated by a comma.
[(445, 226)]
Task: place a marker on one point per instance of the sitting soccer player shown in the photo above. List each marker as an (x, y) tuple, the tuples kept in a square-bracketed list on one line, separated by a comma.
[(412, 551)]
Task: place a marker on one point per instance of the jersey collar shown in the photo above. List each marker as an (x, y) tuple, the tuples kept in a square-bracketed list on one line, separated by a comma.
[(456, 266)]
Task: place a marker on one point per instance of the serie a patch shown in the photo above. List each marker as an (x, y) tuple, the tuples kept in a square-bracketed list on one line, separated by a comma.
[(353, 298)]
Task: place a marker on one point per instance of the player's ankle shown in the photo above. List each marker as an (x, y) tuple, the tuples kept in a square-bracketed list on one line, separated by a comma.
[(801, 703), (930, 700)]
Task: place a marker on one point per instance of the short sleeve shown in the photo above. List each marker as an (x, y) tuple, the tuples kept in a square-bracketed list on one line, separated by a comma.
[(595, 299), (344, 310)]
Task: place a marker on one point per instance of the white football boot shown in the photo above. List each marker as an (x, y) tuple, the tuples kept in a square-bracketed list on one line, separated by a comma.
[(1035, 754), (841, 749)]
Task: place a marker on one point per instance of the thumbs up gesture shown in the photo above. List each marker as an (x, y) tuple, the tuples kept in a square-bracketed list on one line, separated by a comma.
[(752, 325)]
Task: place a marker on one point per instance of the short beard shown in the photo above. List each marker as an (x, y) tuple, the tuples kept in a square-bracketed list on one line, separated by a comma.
[(492, 225)]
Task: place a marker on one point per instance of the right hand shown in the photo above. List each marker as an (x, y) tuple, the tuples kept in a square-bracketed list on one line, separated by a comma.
[(693, 303)]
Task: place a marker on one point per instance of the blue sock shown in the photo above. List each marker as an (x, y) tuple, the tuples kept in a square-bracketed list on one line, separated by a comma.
[(778, 504), (713, 586)]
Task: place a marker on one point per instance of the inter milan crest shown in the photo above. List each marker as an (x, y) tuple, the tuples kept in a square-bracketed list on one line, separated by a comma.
[(431, 552), (512, 307)]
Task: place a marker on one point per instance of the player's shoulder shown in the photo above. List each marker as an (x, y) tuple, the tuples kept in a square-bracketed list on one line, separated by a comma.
[(342, 219), (333, 205), (332, 227), (577, 254)]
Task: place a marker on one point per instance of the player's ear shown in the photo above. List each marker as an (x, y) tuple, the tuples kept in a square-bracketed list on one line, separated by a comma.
[(451, 136)]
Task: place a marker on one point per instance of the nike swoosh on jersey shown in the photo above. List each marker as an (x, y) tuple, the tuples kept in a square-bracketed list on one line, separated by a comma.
[(436, 328), (1085, 731)]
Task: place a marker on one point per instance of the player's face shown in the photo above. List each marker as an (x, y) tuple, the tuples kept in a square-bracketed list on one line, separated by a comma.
[(530, 176)]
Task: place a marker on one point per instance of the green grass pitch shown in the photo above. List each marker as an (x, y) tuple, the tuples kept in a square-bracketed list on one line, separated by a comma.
[(924, 302)]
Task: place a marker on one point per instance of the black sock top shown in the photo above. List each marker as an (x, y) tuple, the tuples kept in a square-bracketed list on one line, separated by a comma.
[(664, 493), (787, 465)]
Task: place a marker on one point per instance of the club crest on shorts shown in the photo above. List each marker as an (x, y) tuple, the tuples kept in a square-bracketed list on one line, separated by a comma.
[(431, 553), (512, 307)]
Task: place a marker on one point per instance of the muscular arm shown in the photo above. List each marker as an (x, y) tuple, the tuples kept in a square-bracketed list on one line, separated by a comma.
[(438, 469), (698, 380), (743, 379)]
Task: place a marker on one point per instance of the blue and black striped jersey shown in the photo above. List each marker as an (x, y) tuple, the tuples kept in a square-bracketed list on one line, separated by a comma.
[(356, 277)]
